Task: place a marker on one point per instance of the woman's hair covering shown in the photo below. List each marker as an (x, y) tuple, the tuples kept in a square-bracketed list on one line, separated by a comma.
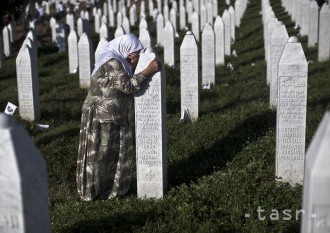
[(119, 48)]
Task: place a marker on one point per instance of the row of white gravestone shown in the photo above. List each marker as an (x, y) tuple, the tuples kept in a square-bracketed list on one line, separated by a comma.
[(313, 22), (7, 39), (288, 72)]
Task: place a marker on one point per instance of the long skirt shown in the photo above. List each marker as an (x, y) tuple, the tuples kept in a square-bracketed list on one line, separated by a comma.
[(105, 157)]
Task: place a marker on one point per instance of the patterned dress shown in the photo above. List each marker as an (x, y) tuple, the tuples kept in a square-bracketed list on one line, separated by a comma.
[(106, 149)]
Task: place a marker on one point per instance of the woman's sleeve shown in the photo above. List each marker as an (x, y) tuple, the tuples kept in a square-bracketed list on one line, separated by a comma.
[(120, 79)]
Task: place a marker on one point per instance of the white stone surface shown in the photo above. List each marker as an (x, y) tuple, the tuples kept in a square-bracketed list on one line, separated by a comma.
[(219, 41), (23, 180), (203, 17), (232, 22), (291, 114), (277, 42), (238, 10), (145, 38), (169, 45), (299, 13), (73, 51), (189, 73), (313, 24), (97, 23), (85, 60), (111, 18), (166, 13), (226, 22), (119, 19), (304, 18), (100, 48), (182, 10), (27, 82), (6, 42), (208, 56), (119, 31), (52, 23), (324, 34), (316, 189), (80, 29), (103, 31), (142, 25), (159, 28), (151, 135), (209, 13), (126, 25), (270, 28), (173, 19), (189, 9), (195, 25)]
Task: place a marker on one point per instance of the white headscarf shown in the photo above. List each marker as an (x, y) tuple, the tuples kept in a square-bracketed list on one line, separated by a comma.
[(119, 48)]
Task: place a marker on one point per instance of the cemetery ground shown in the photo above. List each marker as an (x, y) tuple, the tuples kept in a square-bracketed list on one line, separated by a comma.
[(221, 168)]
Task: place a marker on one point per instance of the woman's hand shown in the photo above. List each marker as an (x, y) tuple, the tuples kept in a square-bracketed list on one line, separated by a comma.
[(153, 67)]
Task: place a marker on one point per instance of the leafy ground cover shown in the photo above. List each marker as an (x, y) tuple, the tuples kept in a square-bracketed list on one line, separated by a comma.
[(220, 168)]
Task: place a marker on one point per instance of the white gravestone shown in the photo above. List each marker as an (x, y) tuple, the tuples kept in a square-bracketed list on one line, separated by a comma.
[(159, 28), (182, 17), (100, 48), (80, 29), (316, 189), (126, 25), (85, 61), (195, 25), (189, 10), (104, 31), (132, 12), (278, 40), (313, 24), (305, 18), (142, 25), (203, 17), (97, 23), (209, 13), (189, 73), (219, 41), (166, 13), (215, 8), (23, 180), (6, 41), (11, 32), (119, 31), (119, 19), (173, 19), (299, 13), (226, 22), (324, 34), (52, 23), (73, 51), (27, 84), (238, 10), (145, 38), (208, 56), (151, 135), (70, 21), (291, 113), (168, 43), (232, 22), (270, 28), (294, 10), (111, 18)]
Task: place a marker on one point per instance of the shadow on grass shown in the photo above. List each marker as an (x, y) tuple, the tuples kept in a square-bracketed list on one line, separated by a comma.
[(205, 161), (123, 222)]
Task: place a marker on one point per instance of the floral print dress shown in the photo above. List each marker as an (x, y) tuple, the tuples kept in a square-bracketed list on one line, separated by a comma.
[(106, 148)]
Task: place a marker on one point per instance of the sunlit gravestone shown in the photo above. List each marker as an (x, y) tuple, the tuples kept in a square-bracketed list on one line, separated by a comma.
[(151, 136), (227, 27), (189, 84), (100, 48), (168, 43), (291, 113), (84, 61), (316, 192), (73, 51), (23, 181), (208, 57), (27, 84), (277, 42), (313, 24), (195, 24), (324, 34), (219, 41)]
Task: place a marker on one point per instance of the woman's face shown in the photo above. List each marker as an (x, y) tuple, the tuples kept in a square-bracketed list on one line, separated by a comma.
[(133, 58)]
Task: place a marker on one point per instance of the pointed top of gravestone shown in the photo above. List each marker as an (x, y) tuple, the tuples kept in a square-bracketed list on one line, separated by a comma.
[(280, 32), (325, 9), (279, 23), (314, 4), (6, 121), (149, 50), (189, 33), (293, 39)]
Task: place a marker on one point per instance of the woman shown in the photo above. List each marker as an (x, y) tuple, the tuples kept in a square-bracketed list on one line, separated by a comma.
[(105, 151)]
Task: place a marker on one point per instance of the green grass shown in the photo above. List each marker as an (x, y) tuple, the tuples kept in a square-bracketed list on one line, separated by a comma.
[(220, 167)]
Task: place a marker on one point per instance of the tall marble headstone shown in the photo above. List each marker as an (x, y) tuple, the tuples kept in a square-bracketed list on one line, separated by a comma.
[(126, 25), (324, 34), (232, 22), (27, 84), (119, 31), (203, 17), (168, 43), (209, 13), (159, 28), (70, 21), (85, 60), (80, 29), (227, 27), (173, 19), (143, 25), (182, 17), (219, 41), (291, 113), (23, 180), (305, 18), (97, 23), (6, 42), (52, 23), (270, 28), (104, 31), (73, 51), (277, 42), (151, 135), (208, 56), (316, 189), (189, 73), (313, 24), (100, 48)]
